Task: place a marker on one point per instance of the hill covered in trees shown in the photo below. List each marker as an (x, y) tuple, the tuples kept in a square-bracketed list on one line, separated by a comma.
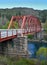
[(6, 14), (41, 14)]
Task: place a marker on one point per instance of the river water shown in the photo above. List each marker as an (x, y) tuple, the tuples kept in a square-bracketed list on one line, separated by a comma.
[(33, 48)]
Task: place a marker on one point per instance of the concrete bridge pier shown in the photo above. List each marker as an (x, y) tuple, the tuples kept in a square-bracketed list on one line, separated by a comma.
[(15, 47), (21, 46)]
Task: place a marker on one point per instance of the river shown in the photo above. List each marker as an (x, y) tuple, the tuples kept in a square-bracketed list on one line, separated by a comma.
[(33, 47)]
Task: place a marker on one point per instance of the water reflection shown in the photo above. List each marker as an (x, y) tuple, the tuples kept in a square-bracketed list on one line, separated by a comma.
[(33, 48)]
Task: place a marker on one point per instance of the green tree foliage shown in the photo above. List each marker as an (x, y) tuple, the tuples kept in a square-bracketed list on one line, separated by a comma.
[(1, 27), (42, 15), (22, 61), (30, 36), (16, 24), (8, 16), (43, 19), (5, 26), (45, 26), (43, 62), (0, 14), (42, 53)]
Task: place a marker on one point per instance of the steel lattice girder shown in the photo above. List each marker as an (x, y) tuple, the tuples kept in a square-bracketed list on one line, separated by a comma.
[(31, 20)]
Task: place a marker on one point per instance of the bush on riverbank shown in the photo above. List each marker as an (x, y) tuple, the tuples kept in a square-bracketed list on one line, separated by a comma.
[(42, 53), (22, 61), (30, 36)]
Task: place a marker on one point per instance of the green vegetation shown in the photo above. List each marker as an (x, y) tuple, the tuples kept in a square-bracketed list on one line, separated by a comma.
[(22, 61), (42, 53), (6, 14), (30, 36), (45, 26), (15, 24), (42, 15), (6, 25)]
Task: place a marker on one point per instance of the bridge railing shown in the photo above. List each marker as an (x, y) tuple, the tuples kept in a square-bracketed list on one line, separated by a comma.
[(11, 32), (6, 33)]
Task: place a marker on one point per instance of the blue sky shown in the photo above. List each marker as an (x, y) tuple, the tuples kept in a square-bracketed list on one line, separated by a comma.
[(36, 4)]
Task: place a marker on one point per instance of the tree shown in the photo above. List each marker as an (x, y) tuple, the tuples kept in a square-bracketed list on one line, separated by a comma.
[(42, 53), (43, 19), (44, 15), (6, 25), (45, 26), (0, 14), (30, 36), (8, 16)]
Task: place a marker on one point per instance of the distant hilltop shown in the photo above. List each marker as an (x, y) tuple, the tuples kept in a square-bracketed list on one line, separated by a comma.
[(19, 11)]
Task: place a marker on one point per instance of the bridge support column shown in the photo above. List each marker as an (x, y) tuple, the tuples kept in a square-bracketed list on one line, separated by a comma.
[(15, 47), (23, 43), (18, 49), (21, 46)]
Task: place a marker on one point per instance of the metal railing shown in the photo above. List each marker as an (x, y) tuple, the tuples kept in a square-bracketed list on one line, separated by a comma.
[(11, 32)]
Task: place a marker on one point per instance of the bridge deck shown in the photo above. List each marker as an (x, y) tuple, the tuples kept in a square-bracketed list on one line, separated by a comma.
[(6, 34)]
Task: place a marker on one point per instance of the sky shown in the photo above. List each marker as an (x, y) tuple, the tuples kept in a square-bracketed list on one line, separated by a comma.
[(36, 4)]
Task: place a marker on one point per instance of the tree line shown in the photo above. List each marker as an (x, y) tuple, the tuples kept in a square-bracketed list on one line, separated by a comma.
[(41, 14)]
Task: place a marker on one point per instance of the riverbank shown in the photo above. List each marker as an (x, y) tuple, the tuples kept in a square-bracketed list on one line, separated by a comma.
[(43, 41), (20, 61), (34, 47)]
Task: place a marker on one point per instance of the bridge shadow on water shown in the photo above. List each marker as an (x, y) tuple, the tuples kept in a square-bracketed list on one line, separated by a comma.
[(33, 47)]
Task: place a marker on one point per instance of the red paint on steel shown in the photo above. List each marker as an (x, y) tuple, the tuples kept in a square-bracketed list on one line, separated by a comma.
[(23, 23), (7, 38), (0, 34), (31, 20), (33, 23)]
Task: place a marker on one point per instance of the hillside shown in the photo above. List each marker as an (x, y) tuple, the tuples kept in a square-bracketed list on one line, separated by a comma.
[(41, 14)]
